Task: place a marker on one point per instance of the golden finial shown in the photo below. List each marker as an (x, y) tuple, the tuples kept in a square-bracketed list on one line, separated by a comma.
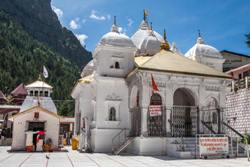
[(145, 14), (164, 43)]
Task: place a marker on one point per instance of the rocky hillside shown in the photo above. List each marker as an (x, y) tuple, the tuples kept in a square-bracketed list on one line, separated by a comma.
[(38, 19), (30, 37)]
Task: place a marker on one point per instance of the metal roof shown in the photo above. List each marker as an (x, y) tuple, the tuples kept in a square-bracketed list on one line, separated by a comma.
[(171, 62)]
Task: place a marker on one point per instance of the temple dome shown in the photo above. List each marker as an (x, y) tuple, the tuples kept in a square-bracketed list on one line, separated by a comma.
[(200, 49), (146, 39), (149, 46), (88, 69), (115, 38), (206, 54)]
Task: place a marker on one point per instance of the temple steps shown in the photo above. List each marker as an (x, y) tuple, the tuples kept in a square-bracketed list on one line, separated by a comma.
[(185, 147), (123, 146)]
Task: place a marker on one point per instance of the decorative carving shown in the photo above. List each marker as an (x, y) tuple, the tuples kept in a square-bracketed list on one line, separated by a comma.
[(212, 88), (113, 97)]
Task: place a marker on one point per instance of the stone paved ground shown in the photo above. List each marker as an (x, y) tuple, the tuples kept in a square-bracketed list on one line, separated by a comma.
[(75, 159)]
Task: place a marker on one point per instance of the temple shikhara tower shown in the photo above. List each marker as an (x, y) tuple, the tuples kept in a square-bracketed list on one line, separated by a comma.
[(140, 95)]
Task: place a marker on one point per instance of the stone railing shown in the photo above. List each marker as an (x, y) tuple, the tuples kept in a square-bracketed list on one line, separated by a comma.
[(240, 84)]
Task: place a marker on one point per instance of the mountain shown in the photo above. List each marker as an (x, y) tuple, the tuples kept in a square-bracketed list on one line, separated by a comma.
[(31, 36), (38, 19)]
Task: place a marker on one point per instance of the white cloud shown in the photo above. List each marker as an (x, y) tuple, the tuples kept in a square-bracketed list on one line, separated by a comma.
[(94, 16), (108, 16), (82, 38), (130, 22), (58, 11), (74, 24)]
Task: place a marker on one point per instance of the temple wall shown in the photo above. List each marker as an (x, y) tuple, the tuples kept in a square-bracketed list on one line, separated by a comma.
[(237, 111)]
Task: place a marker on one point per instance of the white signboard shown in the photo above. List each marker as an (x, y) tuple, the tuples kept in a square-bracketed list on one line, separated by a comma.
[(155, 110), (213, 145)]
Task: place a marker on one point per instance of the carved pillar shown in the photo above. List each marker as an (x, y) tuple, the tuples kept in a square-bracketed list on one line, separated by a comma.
[(219, 120), (143, 104), (198, 121)]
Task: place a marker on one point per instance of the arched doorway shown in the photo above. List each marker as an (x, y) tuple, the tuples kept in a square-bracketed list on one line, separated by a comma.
[(184, 113), (156, 116), (210, 116)]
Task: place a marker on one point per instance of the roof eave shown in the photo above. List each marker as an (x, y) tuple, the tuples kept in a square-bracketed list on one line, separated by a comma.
[(186, 73)]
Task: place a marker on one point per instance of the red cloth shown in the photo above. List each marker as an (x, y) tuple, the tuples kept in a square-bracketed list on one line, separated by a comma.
[(39, 134), (154, 85)]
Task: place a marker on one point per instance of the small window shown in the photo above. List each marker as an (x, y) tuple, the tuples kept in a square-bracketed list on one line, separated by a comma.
[(36, 93), (112, 114), (41, 93), (117, 65), (240, 76), (46, 93), (31, 93)]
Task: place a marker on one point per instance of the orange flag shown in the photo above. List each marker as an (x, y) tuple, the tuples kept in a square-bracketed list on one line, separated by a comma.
[(154, 85)]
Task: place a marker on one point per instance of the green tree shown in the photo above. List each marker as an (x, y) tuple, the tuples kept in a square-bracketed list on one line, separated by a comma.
[(21, 61), (248, 40)]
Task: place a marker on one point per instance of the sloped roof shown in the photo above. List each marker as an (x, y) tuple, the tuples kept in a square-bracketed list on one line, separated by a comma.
[(19, 90), (31, 109), (240, 69), (39, 84), (234, 53), (169, 61)]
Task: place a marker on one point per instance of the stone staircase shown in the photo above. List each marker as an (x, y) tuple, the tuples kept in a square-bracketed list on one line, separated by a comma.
[(237, 152), (121, 141), (185, 147), (123, 146)]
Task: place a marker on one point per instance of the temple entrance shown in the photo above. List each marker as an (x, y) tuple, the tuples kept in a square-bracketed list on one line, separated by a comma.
[(35, 126), (156, 116), (184, 114)]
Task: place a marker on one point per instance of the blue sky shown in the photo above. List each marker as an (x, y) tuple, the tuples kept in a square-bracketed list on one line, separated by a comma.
[(223, 23)]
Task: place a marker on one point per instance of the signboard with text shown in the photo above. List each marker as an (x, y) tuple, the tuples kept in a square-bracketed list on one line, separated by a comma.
[(213, 145), (155, 110)]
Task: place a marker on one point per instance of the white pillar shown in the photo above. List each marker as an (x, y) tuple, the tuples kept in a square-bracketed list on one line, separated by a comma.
[(144, 127), (246, 82), (233, 85)]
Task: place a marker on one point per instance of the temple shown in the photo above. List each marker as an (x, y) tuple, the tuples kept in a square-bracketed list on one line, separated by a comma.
[(140, 95)]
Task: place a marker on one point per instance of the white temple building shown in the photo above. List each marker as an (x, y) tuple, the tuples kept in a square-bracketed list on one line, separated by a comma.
[(39, 92), (38, 113), (117, 104)]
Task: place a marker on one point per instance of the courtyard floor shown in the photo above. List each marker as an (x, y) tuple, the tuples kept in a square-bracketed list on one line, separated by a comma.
[(75, 159)]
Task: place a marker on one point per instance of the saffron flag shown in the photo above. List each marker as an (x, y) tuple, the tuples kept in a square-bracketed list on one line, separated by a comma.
[(153, 83), (45, 72)]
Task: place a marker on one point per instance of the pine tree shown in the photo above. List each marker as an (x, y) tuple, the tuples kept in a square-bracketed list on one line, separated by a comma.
[(248, 39)]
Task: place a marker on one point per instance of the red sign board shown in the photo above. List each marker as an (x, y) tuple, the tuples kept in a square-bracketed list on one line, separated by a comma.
[(155, 110)]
